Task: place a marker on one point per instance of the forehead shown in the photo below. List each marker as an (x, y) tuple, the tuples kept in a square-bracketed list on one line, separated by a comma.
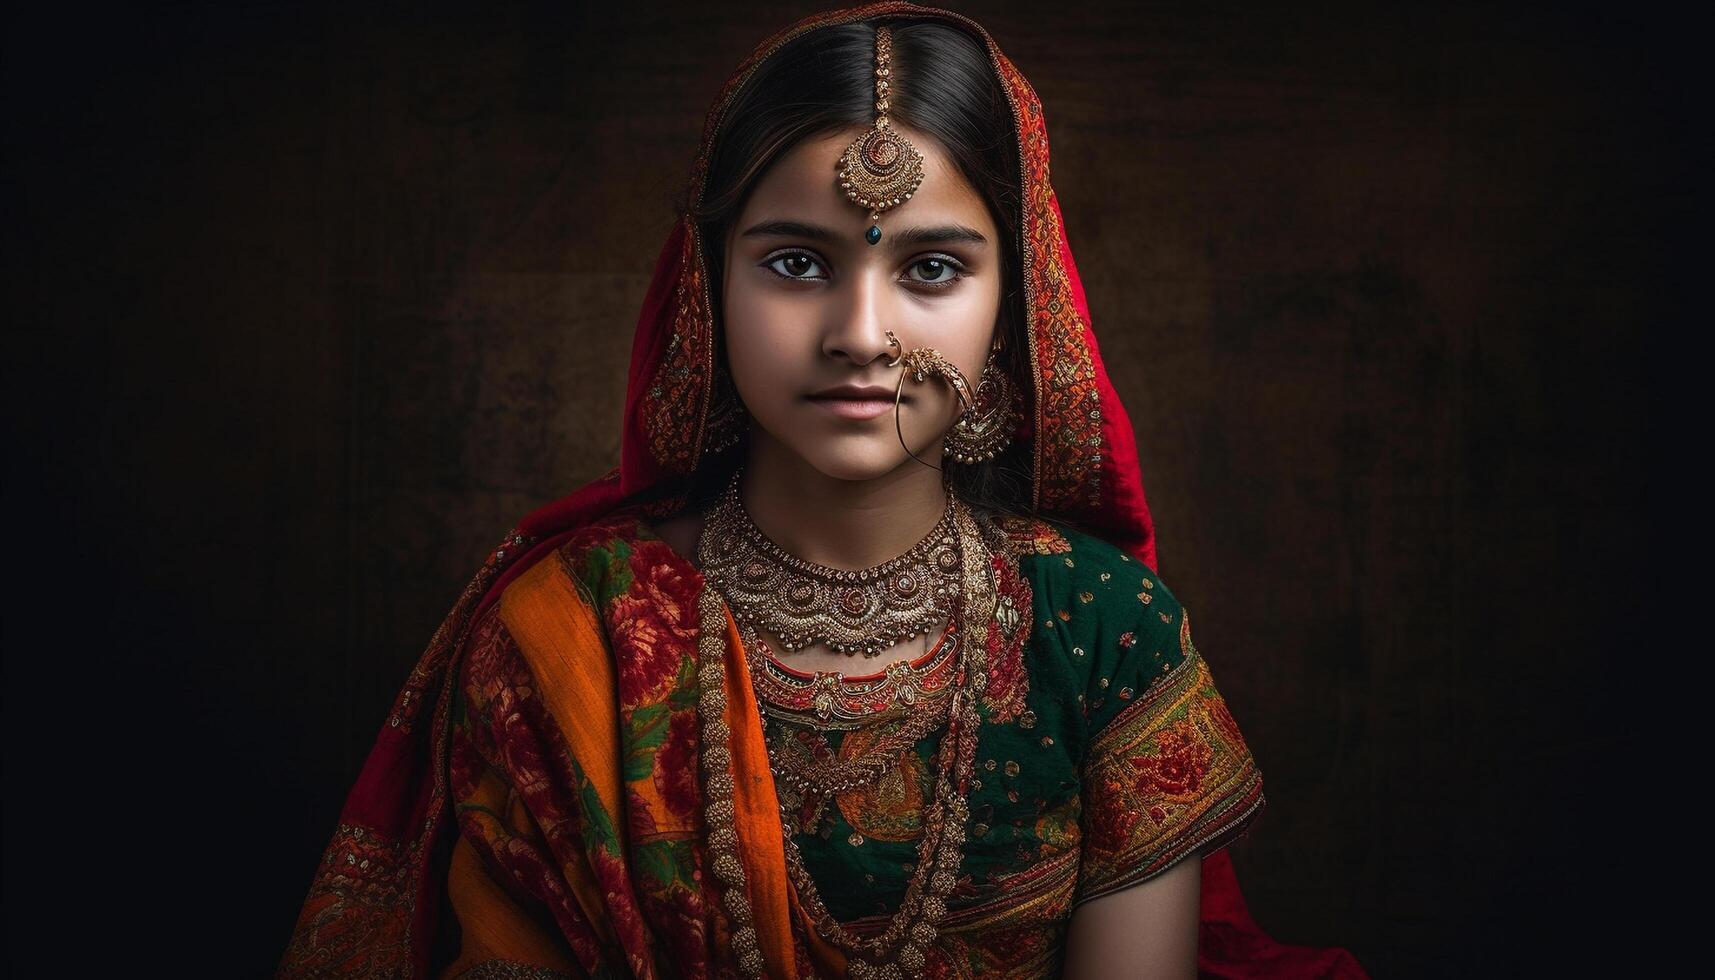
[(803, 184)]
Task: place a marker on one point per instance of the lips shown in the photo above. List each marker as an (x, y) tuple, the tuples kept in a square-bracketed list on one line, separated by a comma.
[(855, 408), (866, 392), (860, 402)]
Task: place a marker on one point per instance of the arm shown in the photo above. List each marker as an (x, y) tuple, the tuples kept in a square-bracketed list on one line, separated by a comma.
[(1146, 931)]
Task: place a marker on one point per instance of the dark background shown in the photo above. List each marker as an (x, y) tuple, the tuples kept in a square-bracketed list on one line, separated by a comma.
[(310, 303)]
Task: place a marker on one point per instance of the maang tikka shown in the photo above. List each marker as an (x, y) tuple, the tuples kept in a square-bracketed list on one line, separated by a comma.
[(880, 169)]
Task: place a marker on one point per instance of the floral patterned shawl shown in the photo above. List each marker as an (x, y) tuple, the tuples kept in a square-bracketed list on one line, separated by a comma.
[(398, 863)]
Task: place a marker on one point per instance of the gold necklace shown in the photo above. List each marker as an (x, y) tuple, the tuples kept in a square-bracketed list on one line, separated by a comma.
[(802, 603), (901, 949), (808, 775), (832, 700)]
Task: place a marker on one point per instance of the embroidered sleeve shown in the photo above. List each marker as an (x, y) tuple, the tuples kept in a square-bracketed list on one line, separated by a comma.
[(1167, 773)]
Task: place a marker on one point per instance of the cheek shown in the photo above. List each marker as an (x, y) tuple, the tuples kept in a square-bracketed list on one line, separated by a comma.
[(763, 339), (975, 324)]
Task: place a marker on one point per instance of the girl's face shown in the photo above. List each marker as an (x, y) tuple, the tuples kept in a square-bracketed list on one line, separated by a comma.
[(807, 304)]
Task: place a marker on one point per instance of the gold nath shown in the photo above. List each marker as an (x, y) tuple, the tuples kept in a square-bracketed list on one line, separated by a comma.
[(880, 169)]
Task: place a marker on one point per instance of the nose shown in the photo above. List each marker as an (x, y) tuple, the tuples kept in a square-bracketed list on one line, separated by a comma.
[(858, 324)]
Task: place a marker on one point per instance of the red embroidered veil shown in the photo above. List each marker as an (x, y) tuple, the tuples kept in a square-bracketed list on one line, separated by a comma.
[(394, 828)]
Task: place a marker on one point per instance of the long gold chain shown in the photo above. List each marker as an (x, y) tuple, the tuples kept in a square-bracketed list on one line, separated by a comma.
[(901, 950)]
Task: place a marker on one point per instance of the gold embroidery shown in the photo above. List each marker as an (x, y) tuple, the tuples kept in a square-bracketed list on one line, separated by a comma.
[(1033, 536), (1169, 775)]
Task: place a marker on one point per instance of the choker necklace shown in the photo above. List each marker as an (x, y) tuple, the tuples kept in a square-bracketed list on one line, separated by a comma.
[(802, 603)]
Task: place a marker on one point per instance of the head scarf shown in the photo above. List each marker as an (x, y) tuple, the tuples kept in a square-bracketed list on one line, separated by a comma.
[(1083, 470)]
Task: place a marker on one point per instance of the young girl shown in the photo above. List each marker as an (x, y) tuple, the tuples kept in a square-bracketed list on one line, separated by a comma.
[(858, 663)]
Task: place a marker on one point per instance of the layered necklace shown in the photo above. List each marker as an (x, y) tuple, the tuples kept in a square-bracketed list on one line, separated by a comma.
[(908, 701), (803, 603)]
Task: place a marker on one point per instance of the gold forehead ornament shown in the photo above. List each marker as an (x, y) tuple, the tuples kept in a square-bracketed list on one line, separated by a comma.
[(880, 169)]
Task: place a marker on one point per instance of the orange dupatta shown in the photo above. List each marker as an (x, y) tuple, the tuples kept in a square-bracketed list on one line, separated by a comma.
[(561, 638)]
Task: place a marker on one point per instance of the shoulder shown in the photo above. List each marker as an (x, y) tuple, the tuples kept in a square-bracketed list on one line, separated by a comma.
[(1034, 536), (1100, 616), (603, 558), (1065, 563), (1029, 536)]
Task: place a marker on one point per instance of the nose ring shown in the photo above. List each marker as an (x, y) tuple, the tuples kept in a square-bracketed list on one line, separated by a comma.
[(922, 363)]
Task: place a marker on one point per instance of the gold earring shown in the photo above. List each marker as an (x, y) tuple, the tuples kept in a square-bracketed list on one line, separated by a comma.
[(985, 427)]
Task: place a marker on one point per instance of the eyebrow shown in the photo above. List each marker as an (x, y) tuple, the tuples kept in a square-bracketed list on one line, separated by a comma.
[(913, 235)]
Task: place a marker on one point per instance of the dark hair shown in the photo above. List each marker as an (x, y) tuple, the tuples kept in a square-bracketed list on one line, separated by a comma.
[(944, 85)]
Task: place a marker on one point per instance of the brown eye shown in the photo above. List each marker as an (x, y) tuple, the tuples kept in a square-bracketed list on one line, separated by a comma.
[(935, 272), (792, 265)]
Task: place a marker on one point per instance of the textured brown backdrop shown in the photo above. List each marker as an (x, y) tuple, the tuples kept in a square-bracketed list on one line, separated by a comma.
[(309, 305)]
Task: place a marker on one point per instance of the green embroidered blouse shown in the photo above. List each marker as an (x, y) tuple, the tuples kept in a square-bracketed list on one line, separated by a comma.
[(1104, 759)]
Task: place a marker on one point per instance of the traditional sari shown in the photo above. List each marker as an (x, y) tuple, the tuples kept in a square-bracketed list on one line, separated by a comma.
[(536, 806)]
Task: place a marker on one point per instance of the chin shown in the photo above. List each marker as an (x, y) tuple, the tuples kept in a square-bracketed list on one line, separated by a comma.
[(857, 460)]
